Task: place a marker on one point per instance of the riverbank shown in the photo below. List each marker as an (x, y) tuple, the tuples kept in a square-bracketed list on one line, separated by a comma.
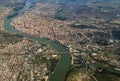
[(62, 67)]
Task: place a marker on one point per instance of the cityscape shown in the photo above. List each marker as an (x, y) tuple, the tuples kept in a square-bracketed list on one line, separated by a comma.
[(59, 40)]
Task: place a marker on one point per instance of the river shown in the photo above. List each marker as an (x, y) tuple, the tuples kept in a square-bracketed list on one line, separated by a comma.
[(64, 62)]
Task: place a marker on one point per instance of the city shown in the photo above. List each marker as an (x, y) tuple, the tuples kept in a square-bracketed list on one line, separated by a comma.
[(85, 34)]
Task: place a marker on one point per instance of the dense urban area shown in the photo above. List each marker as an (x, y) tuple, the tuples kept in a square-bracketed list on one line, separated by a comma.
[(89, 29)]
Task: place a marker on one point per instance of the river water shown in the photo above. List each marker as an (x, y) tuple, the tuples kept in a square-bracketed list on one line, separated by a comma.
[(64, 62)]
